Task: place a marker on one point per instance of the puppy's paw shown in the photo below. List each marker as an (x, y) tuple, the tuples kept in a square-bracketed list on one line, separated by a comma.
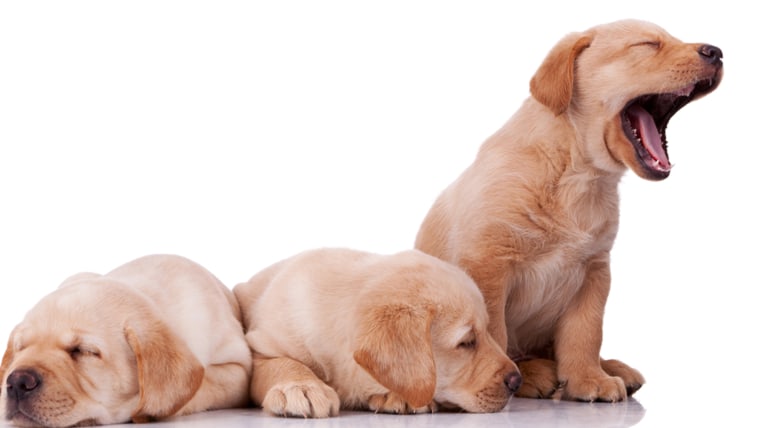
[(307, 399), (632, 379), (539, 378), (593, 388), (391, 402)]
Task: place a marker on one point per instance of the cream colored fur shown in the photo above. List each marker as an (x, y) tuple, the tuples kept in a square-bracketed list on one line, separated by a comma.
[(338, 328), (157, 337), (534, 218)]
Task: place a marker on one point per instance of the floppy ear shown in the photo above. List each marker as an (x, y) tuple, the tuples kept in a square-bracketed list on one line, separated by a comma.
[(395, 347), (167, 371), (552, 85)]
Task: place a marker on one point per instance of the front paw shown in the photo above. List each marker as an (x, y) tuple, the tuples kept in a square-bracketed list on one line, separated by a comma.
[(589, 388), (307, 399), (539, 378), (391, 402), (632, 379)]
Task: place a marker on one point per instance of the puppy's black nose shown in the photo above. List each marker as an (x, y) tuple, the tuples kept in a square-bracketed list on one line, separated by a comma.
[(711, 54), (513, 381), (22, 383)]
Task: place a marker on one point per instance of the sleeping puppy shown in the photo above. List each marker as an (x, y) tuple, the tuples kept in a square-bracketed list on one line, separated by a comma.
[(157, 337), (403, 333), (534, 218)]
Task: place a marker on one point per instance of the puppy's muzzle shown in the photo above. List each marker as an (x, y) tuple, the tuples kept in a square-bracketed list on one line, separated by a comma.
[(22, 384), (513, 381), (712, 54)]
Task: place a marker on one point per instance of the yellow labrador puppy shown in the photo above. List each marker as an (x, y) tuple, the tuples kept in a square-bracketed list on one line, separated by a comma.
[(337, 328), (157, 337), (534, 218)]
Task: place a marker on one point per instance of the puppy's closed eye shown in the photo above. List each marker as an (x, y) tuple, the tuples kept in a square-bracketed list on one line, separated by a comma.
[(468, 341), (470, 344), (653, 44), (80, 351)]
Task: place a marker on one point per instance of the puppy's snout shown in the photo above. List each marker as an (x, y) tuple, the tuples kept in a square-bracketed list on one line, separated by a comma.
[(711, 54), (22, 383), (513, 381)]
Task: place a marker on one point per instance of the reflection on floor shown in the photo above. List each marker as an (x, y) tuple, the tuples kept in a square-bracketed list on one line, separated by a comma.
[(519, 413)]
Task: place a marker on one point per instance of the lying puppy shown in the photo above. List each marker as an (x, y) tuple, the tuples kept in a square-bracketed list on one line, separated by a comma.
[(336, 328), (534, 218), (157, 337)]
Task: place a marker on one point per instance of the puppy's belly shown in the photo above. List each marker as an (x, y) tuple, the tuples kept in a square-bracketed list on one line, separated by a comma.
[(538, 297)]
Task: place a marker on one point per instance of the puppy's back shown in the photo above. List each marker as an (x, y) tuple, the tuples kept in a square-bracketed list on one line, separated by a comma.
[(192, 300), (310, 286)]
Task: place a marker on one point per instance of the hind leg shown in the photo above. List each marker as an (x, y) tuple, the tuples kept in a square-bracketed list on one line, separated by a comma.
[(539, 378), (632, 379)]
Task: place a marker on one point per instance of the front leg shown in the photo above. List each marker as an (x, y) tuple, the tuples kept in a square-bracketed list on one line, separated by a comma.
[(286, 387), (578, 341), (391, 402), (224, 386)]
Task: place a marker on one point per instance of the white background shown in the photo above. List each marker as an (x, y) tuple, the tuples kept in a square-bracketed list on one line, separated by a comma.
[(238, 133)]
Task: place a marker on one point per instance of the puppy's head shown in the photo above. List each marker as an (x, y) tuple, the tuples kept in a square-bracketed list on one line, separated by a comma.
[(94, 352), (423, 335), (620, 84)]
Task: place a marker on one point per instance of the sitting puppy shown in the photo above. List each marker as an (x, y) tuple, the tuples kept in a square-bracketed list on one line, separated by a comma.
[(337, 328), (157, 337), (533, 219)]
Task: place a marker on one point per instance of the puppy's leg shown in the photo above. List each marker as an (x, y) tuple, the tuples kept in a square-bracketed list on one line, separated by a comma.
[(539, 378), (490, 274), (391, 402), (578, 341), (632, 379), (495, 295), (286, 387), (224, 386)]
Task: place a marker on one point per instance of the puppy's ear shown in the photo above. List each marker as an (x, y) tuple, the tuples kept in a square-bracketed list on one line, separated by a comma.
[(168, 373), (552, 85), (395, 347)]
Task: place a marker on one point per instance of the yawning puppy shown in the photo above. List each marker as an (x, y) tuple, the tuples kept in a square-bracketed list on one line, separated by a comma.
[(337, 328), (157, 337), (534, 218)]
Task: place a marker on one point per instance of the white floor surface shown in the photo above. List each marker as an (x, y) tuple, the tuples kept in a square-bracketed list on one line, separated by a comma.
[(519, 413), (647, 409)]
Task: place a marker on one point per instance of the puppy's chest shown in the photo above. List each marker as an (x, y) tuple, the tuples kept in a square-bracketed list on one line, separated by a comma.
[(554, 263), (539, 290)]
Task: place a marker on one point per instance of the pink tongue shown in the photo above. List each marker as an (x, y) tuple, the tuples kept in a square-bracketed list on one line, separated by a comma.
[(650, 137)]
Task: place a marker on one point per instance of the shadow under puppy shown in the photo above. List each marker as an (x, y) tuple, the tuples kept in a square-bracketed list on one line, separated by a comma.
[(403, 333), (157, 337), (534, 218)]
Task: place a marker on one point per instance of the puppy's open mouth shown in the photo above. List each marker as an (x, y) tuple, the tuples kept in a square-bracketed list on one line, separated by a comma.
[(644, 121)]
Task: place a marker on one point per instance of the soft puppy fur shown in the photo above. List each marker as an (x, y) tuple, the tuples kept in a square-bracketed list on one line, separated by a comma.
[(534, 218), (158, 336), (339, 328)]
